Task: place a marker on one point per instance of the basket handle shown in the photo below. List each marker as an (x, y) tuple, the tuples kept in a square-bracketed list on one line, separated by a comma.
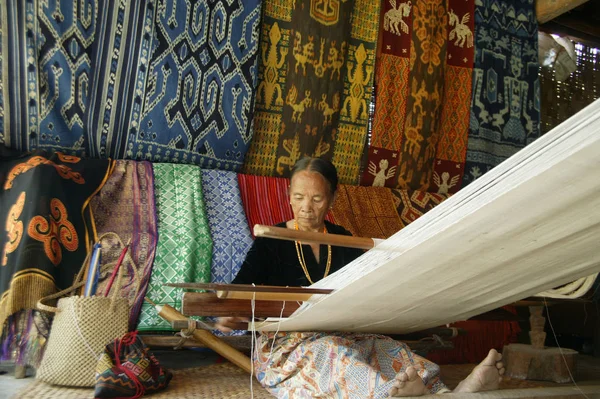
[(79, 280)]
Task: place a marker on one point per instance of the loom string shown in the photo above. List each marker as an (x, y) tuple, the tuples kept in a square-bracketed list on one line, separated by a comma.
[(252, 345), (254, 341), (561, 351)]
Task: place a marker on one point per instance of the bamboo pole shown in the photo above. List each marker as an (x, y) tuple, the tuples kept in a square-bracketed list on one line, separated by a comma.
[(308, 237), (234, 356)]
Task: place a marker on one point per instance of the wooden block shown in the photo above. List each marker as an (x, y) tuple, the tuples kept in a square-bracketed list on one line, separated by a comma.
[(207, 304), (528, 363)]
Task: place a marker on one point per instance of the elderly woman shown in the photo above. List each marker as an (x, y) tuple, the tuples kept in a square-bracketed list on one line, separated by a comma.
[(332, 365)]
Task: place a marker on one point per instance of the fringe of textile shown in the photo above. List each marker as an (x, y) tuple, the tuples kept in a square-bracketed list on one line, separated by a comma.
[(25, 289), (24, 337), (266, 200)]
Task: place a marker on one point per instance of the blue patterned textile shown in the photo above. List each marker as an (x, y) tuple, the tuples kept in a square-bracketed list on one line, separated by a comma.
[(159, 80), (228, 224), (505, 107)]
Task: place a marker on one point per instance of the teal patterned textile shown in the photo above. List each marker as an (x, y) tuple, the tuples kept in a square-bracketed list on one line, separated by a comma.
[(184, 249), (156, 80), (505, 105)]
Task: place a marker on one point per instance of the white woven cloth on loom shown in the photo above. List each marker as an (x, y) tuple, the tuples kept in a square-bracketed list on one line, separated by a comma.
[(530, 224)]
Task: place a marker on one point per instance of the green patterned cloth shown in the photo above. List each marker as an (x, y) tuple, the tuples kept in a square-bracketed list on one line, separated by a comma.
[(184, 249)]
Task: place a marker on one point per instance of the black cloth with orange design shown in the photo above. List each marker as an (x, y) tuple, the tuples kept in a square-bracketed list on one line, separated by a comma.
[(46, 226)]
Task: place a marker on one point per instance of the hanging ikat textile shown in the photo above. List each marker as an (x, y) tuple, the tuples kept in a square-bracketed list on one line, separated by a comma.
[(125, 206), (228, 224), (184, 247), (315, 74), (505, 108), (428, 107), (423, 93), (155, 80)]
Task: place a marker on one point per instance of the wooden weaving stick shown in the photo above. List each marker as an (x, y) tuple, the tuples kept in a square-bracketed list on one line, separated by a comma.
[(309, 237), (258, 292)]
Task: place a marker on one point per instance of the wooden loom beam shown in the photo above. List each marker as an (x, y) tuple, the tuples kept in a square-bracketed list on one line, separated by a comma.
[(308, 237), (234, 356), (547, 10), (208, 304)]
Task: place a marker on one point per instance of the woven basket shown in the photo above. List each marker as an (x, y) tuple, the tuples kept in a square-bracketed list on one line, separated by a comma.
[(82, 327)]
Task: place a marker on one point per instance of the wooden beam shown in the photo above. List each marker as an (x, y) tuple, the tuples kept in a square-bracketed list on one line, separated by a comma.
[(207, 304), (241, 343), (233, 355), (547, 10), (250, 288), (308, 237)]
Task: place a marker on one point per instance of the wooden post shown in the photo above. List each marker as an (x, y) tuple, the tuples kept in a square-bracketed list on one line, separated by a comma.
[(537, 335), (535, 361)]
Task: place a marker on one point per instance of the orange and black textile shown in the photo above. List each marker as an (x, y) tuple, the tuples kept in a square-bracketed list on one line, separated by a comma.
[(127, 369), (45, 228), (315, 76), (421, 121)]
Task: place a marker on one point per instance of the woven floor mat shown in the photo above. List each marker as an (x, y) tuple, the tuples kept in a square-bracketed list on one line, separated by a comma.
[(215, 381)]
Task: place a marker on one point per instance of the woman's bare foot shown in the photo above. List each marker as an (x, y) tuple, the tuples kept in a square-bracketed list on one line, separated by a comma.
[(408, 383), (485, 376)]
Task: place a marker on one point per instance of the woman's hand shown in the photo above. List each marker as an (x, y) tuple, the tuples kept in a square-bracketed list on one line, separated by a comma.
[(227, 324)]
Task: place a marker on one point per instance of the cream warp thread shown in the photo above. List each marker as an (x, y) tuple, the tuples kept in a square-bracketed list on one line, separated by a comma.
[(573, 290), (561, 351)]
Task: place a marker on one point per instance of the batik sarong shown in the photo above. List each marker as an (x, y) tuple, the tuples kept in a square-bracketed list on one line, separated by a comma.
[(340, 365), (125, 206), (184, 249), (266, 200), (44, 229)]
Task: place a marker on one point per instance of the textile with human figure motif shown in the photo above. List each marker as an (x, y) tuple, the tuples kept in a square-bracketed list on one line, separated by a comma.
[(45, 226), (315, 75), (340, 365), (423, 85), (170, 81), (505, 101)]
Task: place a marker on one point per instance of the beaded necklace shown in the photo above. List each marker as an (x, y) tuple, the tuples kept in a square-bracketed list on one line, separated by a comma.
[(301, 256)]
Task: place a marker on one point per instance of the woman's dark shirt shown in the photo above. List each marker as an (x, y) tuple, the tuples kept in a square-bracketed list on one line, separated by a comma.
[(275, 262)]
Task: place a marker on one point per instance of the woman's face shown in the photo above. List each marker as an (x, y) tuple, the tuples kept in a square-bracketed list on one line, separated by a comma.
[(310, 198)]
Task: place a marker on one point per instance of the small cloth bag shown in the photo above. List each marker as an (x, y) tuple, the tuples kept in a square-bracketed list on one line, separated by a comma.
[(127, 370)]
